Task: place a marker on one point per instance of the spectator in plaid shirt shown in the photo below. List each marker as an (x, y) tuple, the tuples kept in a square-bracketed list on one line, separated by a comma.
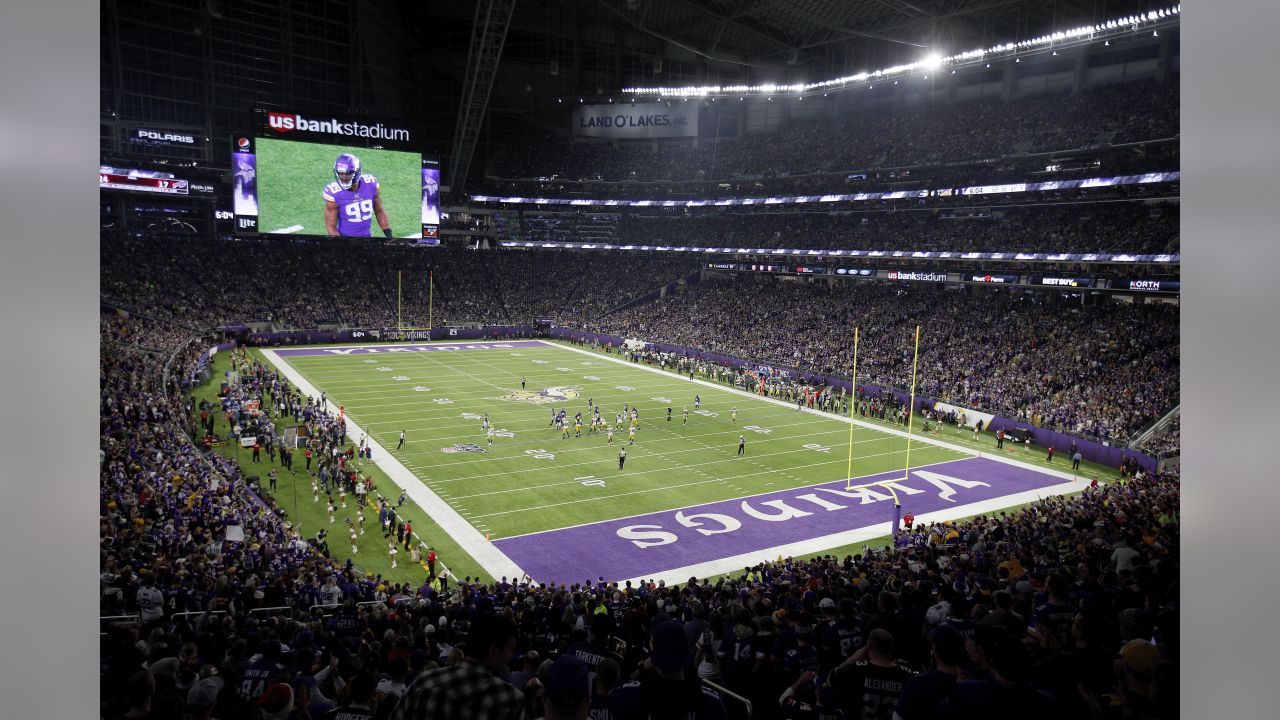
[(471, 689)]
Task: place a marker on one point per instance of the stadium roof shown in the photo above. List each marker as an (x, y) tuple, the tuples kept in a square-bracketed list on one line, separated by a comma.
[(815, 34)]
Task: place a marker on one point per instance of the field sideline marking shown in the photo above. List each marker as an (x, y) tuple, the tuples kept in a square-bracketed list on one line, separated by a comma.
[(488, 556)]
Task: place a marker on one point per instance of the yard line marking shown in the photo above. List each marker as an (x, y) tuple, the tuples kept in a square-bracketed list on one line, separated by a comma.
[(713, 479), (726, 450), (290, 229)]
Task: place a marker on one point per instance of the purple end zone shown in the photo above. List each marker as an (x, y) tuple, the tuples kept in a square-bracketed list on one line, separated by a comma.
[(424, 347), (653, 543)]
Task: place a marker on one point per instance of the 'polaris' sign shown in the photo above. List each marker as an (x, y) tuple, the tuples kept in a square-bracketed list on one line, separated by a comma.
[(288, 122), (160, 137)]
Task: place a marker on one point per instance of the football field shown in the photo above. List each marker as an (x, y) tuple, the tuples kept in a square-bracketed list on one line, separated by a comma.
[(292, 176), (687, 502)]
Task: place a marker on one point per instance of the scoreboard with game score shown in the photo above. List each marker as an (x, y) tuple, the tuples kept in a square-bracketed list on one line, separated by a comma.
[(141, 181)]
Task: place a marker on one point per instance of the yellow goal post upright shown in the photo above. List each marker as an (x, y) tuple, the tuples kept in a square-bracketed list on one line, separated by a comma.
[(906, 467), (853, 403), (409, 331), (399, 296)]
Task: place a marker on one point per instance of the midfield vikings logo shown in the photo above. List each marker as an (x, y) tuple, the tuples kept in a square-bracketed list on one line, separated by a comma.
[(542, 397), (464, 448)]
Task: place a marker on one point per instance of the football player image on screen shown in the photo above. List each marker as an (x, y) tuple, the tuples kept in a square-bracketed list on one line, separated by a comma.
[(352, 200), (245, 197), (431, 196)]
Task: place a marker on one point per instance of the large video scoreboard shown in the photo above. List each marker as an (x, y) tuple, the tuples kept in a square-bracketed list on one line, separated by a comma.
[(285, 179)]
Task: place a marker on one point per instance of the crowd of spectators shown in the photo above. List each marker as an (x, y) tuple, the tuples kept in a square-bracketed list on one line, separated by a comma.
[(865, 138), (294, 283), (573, 289), (1099, 370), (1129, 227), (197, 282)]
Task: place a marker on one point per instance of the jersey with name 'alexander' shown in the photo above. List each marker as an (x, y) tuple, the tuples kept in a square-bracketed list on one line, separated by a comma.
[(868, 691)]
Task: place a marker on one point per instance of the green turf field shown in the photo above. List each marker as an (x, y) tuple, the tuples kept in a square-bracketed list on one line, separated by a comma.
[(530, 479), (292, 176), (534, 479)]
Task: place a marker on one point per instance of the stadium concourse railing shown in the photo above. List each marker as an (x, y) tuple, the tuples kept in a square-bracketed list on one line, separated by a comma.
[(739, 709), (1096, 450), (106, 621)]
